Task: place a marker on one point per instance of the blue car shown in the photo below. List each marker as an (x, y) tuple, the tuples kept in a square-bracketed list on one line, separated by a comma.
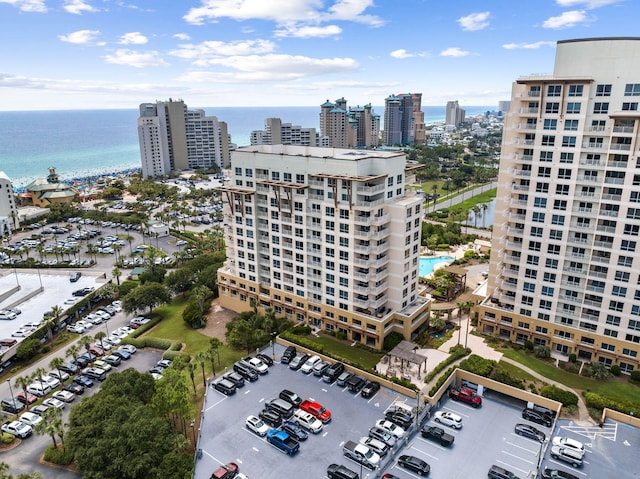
[(122, 354), (83, 381), (294, 430)]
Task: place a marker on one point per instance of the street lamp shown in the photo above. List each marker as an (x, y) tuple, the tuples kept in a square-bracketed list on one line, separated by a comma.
[(273, 345), (11, 390), (418, 409), (193, 432)]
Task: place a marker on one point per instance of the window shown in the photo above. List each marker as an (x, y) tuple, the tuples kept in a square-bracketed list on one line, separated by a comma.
[(549, 277), (553, 249), (544, 172), (551, 263), (554, 90), (548, 140), (632, 89), (540, 202), (571, 125), (564, 173), (562, 190), (629, 352), (542, 187), (616, 306), (555, 235), (551, 107), (534, 245), (601, 107), (533, 260), (547, 291), (575, 90), (537, 217), (529, 287), (627, 245), (550, 124), (619, 291), (630, 106), (536, 231), (625, 261), (566, 157), (573, 108), (603, 90), (560, 205), (557, 220)]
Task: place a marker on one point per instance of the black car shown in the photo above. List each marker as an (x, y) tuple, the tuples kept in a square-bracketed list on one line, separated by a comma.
[(85, 359), (270, 417), (334, 371), (83, 381), (69, 367), (12, 406), (288, 355), (534, 416), (294, 430), (370, 389), (544, 410), (355, 383), (399, 419), (529, 431), (557, 474), (235, 378), (245, 371), (414, 464), (225, 387), (291, 397), (265, 359), (74, 388)]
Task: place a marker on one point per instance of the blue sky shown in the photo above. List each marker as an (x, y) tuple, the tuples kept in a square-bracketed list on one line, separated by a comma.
[(85, 54)]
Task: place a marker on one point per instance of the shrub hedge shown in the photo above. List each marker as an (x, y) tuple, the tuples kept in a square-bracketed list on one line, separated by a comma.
[(58, 456), (441, 380), (599, 402), (456, 353), (567, 398)]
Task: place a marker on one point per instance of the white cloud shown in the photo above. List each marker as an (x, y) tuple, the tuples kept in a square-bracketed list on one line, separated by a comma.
[(201, 54), (78, 7), (401, 54), (182, 36), (37, 6), (308, 31), (81, 37), (528, 46), (283, 12), (474, 21), (133, 38), (566, 20), (454, 52), (136, 59), (586, 3)]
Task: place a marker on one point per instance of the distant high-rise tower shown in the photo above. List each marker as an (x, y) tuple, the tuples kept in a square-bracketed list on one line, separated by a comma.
[(566, 251), (9, 220), (277, 133), (173, 138), (403, 119), (356, 127), (454, 114)]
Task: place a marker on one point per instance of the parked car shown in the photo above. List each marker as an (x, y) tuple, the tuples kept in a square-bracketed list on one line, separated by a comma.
[(307, 421), (497, 472), (438, 434), (53, 402), (308, 365), (102, 364), (320, 368), (225, 387), (95, 373), (298, 361), (383, 435), (256, 425), (226, 471), (123, 354), (74, 388), (316, 409), (414, 464), (17, 428), (112, 360), (288, 355), (336, 471), (343, 378), (271, 417), (390, 427), (28, 398), (361, 454), (83, 381), (355, 383), (235, 378), (370, 389), (64, 396), (265, 359), (376, 445), (531, 432), (570, 456), (69, 367), (448, 419), (258, 365), (294, 430), (246, 371), (333, 372), (401, 419), (465, 395), (291, 397), (538, 418), (568, 443), (12, 406), (557, 474), (60, 375), (31, 419)]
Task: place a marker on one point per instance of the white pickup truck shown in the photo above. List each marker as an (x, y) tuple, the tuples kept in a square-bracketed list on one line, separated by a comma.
[(17, 428)]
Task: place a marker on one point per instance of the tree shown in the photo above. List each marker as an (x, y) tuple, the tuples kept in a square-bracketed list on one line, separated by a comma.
[(202, 357), (39, 374), (74, 351), (56, 363), (148, 295), (191, 367), (116, 273), (47, 426), (22, 382), (214, 348), (180, 281), (99, 336), (201, 293), (192, 315), (4, 467), (85, 341)]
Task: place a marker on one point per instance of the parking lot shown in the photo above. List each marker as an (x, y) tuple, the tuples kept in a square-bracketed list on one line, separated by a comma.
[(486, 438)]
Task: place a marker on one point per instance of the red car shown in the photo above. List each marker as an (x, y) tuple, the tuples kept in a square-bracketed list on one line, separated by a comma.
[(228, 471), (27, 398), (465, 395), (316, 410)]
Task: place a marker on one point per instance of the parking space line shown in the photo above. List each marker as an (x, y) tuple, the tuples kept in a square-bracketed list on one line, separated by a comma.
[(430, 443), (214, 458), (535, 453), (511, 467), (517, 457), (372, 397), (215, 404), (573, 469), (407, 472), (423, 452), (455, 411)]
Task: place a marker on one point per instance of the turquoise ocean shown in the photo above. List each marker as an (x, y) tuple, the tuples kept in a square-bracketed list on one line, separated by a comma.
[(83, 143)]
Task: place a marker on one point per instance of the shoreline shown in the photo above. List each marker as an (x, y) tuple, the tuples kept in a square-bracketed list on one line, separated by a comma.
[(81, 179)]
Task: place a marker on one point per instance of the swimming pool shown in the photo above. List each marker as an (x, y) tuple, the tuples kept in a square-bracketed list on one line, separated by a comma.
[(427, 264)]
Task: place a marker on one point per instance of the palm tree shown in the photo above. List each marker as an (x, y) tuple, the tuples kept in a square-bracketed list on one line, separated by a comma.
[(22, 382), (191, 367), (116, 273), (48, 426), (86, 342), (202, 357), (434, 188), (484, 207), (56, 363), (476, 213), (100, 335), (40, 373), (74, 351)]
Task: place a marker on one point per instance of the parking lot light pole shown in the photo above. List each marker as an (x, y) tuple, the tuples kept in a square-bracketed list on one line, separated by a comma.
[(8, 381), (273, 345), (418, 409), (193, 433)]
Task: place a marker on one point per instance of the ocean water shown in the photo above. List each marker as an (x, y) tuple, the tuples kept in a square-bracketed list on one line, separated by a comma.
[(81, 143)]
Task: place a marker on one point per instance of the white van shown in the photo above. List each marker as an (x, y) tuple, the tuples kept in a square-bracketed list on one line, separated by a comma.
[(39, 389)]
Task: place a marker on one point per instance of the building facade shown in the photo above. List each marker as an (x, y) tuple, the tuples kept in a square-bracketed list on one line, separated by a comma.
[(327, 237), (277, 133), (403, 120), (9, 220), (174, 138), (565, 258), (454, 115), (44, 191), (353, 127)]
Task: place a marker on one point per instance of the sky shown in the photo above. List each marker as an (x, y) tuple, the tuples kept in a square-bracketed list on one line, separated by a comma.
[(98, 54)]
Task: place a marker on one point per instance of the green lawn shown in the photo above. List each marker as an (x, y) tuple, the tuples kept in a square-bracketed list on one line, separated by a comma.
[(617, 389), (516, 372), (173, 327), (366, 359)]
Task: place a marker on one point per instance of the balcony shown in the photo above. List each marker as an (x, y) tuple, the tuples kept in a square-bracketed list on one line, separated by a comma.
[(527, 126), (522, 173), (623, 129), (590, 179), (370, 189), (620, 147), (593, 144), (605, 229)]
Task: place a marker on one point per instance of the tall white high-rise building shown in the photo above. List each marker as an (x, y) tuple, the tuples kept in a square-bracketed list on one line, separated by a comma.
[(173, 138), (327, 237), (9, 220), (454, 115), (565, 258)]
